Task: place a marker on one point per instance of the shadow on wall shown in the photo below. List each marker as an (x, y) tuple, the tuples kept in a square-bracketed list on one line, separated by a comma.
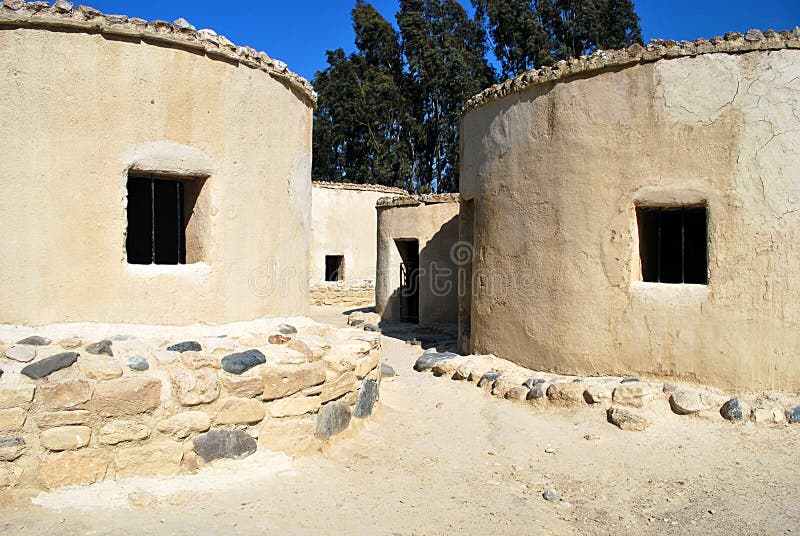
[(431, 289)]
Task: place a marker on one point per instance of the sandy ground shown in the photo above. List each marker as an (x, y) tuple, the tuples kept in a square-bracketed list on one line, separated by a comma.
[(444, 457)]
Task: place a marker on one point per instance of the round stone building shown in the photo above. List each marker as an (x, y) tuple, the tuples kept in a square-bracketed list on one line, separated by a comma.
[(151, 173), (638, 212)]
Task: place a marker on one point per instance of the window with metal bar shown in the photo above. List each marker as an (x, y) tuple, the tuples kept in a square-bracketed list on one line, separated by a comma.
[(157, 216), (673, 244)]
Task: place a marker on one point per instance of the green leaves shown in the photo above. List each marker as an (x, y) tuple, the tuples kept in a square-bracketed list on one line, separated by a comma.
[(528, 34), (389, 113), (362, 113)]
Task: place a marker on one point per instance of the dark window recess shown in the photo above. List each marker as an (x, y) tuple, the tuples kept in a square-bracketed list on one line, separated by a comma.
[(673, 244), (156, 221), (334, 268)]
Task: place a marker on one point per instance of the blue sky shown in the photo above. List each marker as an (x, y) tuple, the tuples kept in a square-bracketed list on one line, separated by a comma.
[(299, 33)]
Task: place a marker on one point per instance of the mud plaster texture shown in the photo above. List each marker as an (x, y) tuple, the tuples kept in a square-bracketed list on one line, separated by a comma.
[(433, 221), (344, 223), (556, 172), (89, 99)]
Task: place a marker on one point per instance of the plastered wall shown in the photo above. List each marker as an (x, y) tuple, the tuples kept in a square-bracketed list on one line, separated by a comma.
[(556, 170), (435, 224), (79, 110)]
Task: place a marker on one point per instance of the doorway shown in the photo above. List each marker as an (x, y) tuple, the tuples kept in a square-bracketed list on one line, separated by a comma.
[(409, 279)]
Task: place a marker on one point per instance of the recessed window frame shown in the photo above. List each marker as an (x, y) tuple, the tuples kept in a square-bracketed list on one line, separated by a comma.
[(666, 229), (157, 190)]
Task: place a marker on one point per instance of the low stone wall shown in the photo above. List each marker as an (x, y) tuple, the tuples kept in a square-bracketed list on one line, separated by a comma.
[(72, 413), (357, 293), (629, 403)]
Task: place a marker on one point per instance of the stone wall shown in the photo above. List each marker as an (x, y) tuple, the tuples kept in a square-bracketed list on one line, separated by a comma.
[(76, 413), (344, 223), (557, 163), (107, 97), (357, 293)]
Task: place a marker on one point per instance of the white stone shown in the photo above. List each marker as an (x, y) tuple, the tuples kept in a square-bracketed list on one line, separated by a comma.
[(166, 357), (23, 354)]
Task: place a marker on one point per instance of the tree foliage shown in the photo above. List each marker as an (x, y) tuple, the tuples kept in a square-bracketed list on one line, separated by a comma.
[(445, 53), (389, 112), (362, 117), (532, 33)]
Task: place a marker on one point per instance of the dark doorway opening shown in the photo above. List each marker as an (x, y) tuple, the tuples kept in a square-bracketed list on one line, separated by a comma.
[(673, 244), (409, 280), (334, 268)]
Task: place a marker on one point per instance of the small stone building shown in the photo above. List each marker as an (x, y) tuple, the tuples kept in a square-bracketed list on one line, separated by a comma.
[(638, 212), (343, 246), (418, 259), (150, 173)]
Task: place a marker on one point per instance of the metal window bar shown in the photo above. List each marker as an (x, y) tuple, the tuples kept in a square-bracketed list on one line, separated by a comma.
[(683, 245), (180, 259)]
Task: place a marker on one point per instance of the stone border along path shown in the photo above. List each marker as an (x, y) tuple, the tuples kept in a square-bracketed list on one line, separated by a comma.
[(76, 411), (64, 16), (507, 380)]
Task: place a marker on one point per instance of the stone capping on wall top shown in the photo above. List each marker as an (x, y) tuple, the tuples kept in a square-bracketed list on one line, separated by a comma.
[(63, 16), (416, 200), (360, 187), (657, 49)]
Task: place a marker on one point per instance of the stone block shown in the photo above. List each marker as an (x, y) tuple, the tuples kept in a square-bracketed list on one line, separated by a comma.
[(10, 474), (567, 393), (290, 434), (517, 393), (218, 444), (73, 468), (152, 459), (65, 395), (767, 414), (367, 396), (126, 396), (366, 364), (284, 380), (346, 383), (686, 402), (240, 411), (241, 362), (292, 407), (195, 388), (12, 419), (23, 354), (117, 432), (18, 396), (627, 420), (65, 437), (50, 419), (99, 368), (733, 410), (599, 393), (11, 448), (102, 347), (333, 419), (184, 424), (633, 393), (307, 348), (198, 360), (44, 367), (243, 386)]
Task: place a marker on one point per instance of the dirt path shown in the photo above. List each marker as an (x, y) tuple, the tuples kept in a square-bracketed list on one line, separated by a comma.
[(444, 457)]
